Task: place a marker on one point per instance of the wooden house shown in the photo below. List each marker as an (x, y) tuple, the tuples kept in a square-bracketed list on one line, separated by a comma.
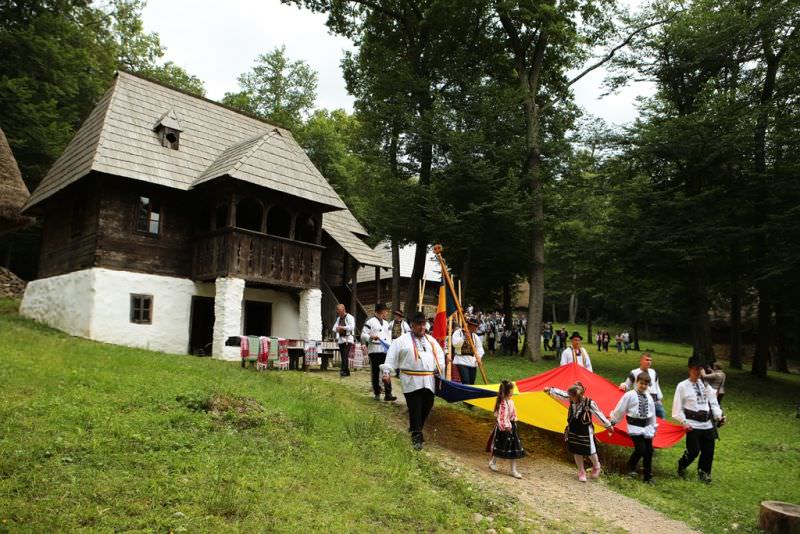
[(375, 282), (171, 222)]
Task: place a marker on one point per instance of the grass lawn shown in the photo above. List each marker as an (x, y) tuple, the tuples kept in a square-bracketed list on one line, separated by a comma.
[(99, 437), (757, 457)]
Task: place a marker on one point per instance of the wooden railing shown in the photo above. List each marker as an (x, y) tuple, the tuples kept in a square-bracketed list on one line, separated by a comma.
[(256, 257)]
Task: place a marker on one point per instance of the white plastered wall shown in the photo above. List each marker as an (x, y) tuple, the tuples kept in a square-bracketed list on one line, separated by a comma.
[(95, 303), (285, 312), (171, 312), (64, 302)]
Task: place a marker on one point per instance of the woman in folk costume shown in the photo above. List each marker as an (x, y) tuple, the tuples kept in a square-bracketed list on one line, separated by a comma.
[(465, 360), (580, 429), (576, 353), (504, 441), (419, 358), (639, 410)]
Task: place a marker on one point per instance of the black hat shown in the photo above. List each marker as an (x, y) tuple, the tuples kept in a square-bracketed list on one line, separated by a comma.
[(695, 361), (473, 321), (380, 307), (418, 317), (576, 334), (398, 312)]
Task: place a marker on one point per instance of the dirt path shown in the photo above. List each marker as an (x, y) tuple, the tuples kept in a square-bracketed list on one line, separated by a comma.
[(549, 486)]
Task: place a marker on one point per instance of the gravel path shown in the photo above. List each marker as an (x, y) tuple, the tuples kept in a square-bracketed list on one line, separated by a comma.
[(549, 486)]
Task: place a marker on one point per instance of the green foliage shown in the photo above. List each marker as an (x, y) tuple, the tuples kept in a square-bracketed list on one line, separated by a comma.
[(276, 89), (58, 58), (101, 437)]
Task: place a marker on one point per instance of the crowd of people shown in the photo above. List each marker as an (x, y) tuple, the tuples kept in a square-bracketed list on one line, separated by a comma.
[(406, 349)]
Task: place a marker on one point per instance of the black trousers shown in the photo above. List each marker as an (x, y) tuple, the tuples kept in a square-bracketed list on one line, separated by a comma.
[(700, 442), (344, 351), (376, 359), (419, 404), (643, 450), (466, 373)]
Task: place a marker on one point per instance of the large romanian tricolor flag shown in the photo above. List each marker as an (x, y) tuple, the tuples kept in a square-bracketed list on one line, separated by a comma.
[(445, 308)]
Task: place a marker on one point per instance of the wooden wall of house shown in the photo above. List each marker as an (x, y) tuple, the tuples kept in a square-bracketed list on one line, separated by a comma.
[(333, 260), (367, 290), (120, 247), (69, 230)]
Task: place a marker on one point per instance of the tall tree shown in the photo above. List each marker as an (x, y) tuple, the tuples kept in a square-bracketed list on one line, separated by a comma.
[(277, 88)]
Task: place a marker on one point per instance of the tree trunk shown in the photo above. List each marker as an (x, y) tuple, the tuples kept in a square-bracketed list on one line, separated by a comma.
[(779, 362), (701, 325), (412, 297), (465, 277), (396, 276), (735, 357), (573, 308), (761, 356), (636, 336), (507, 302), (589, 337), (555, 318)]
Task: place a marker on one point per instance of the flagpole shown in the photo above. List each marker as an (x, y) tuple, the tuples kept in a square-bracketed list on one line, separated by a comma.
[(449, 347), (437, 250)]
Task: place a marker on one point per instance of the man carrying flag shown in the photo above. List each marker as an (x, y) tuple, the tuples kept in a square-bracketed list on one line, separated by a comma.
[(466, 361)]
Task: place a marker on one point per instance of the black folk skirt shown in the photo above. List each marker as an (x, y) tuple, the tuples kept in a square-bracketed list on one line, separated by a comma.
[(580, 438), (506, 443)]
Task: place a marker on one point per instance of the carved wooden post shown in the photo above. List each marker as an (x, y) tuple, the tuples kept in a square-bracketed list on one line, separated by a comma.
[(378, 298), (267, 207)]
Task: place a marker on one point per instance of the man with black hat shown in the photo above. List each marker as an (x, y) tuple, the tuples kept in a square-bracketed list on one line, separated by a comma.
[(418, 357), (465, 360), (695, 407), (399, 326), (376, 335), (576, 353)]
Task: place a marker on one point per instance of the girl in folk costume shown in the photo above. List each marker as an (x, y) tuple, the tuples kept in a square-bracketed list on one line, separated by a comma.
[(639, 410), (504, 441), (579, 433)]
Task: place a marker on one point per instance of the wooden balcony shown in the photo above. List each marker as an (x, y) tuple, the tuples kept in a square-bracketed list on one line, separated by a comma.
[(256, 257)]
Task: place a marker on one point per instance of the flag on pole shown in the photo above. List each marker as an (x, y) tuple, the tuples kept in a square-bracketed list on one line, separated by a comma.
[(445, 308)]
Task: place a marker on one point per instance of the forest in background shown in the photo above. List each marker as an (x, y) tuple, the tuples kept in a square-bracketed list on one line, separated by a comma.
[(465, 133)]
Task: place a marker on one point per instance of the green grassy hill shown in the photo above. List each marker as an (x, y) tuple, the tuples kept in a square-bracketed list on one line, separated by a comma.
[(99, 437)]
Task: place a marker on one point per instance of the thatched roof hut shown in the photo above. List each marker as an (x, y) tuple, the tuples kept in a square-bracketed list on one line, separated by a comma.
[(13, 192)]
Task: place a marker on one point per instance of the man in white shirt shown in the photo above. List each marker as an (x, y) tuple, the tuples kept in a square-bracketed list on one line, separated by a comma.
[(695, 407), (646, 366), (343, 329), (419, 358), (376, 335), (576, 353), (465, 360)]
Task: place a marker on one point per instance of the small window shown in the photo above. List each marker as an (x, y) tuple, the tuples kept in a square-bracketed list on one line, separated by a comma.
[(148, 216), (170, 138), (141, 309)]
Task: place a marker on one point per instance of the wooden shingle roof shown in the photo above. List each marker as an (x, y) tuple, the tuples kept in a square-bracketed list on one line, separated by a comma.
[(119, 138), (13, 191), (342, 227)]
